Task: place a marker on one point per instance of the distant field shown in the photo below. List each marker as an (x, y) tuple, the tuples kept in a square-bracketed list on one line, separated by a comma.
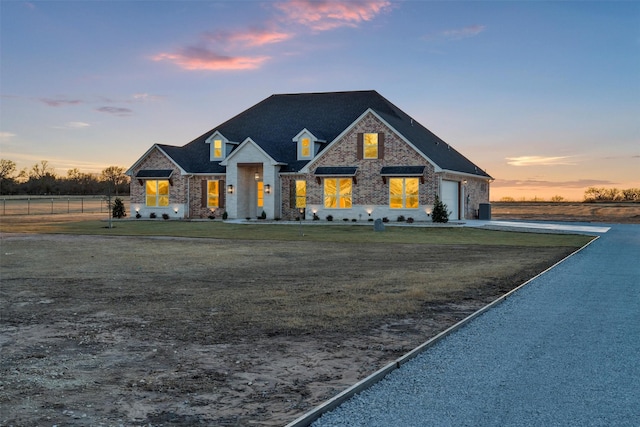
[(624, 213)]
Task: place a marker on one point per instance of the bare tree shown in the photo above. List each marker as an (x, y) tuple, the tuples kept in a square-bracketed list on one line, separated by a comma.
[(114, 175), (42, 170)]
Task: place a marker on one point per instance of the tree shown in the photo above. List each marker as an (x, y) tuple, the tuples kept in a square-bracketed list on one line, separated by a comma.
[(7, 169), (41, 170), (118, 210), (439, 213), (42, 179), (114, 176)]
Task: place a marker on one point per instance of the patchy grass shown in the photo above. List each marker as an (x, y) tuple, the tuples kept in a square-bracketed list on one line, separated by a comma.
[(310, 232), (230, 324)]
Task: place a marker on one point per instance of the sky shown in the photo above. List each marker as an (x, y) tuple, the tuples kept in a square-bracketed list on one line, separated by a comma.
[(543, 95)]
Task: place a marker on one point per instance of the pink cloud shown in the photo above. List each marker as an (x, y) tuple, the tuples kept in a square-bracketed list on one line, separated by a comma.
[(251, 38), (329, 14), (199, 58)]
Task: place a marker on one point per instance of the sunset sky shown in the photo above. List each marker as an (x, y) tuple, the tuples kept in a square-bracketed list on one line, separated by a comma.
[(543, 95)]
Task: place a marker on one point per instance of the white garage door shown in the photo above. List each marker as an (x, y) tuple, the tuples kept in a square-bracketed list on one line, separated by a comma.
[(451, 198)]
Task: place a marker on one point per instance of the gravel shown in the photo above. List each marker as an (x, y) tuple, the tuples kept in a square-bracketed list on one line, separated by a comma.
[(562, 351)]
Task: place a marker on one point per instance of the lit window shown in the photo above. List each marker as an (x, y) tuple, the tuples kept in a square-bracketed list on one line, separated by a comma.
[(301, 194), (260, 197), (370, 141), (157, 193), (217, 148), (403, 193), (305, 147), (337, 193), (213, 194)]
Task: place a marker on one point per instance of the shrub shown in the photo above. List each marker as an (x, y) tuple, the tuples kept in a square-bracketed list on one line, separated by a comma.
[(385, 219), (138, 215), (410, 220), (439, 213), (165, 216), (225, 215), (370, 220), (152, 215), (329, 217), (345, 219), (118, 210), (354, 220), (263, 215), (316, 217), (400, 218)]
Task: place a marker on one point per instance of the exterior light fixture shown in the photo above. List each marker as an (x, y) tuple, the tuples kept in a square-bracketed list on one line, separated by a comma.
[(257, 176), (230, 188), (428, 212), (464, 182), (175, 210), (267, 188)]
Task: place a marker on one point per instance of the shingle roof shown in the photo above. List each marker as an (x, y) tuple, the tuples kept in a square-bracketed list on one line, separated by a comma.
[(155, 173), (273, 122)]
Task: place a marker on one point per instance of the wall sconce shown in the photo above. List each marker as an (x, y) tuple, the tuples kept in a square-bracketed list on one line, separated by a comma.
[(175, 210), (257, 176), (464, 182), (267, 188), (428, 212), (230, 189), (137, 209)]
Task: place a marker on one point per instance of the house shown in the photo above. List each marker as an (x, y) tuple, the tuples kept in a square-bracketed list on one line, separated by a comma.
[(351, 155)]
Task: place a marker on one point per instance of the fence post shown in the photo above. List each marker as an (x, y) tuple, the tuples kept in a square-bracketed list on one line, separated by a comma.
[(28, 205), (81, 204), (52, 206)]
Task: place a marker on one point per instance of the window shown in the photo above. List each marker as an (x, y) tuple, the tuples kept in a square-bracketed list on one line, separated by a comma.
[(157, 192), (305, 147), (403, 193), (337, 193), (370, 146), (217, 148), (301, 194), (260, 197), (370, 141), (213, 194)]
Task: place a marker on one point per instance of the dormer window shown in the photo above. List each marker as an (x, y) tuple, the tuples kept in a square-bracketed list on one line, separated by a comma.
[(305, 147), (307, 144), (219, 147)]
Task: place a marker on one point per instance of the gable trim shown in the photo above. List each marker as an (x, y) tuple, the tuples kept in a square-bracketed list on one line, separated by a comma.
[(246, 142), (129, 171), (307, 168)]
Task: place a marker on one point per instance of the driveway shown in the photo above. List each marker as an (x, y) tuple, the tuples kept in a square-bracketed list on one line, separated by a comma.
[(564, 350)]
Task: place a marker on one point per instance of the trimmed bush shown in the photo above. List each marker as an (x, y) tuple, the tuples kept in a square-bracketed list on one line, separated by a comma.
[(439, 213)]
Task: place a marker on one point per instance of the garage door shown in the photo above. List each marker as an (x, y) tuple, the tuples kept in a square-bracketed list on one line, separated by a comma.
[(451, 198)]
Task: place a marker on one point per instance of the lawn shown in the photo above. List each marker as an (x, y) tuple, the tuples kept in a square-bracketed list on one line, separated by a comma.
[(211, 323)]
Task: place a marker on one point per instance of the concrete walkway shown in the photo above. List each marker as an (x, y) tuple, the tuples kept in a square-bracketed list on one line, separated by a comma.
[(562, 351)]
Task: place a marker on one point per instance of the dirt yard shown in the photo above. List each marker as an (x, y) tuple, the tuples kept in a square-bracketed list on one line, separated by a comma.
[(133, 331)]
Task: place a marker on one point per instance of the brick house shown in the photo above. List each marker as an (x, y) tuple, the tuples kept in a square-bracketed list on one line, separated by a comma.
[(351, 155)]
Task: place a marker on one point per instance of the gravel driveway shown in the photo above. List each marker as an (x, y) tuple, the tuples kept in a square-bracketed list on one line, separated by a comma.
[(562, 351)]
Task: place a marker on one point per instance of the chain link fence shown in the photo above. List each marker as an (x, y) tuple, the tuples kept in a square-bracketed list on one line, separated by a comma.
[(42, 205)]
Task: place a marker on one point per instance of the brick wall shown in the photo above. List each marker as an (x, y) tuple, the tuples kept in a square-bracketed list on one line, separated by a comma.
[(370, 192)]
